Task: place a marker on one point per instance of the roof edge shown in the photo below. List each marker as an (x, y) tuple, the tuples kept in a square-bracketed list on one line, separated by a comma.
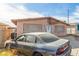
[(15, 20)]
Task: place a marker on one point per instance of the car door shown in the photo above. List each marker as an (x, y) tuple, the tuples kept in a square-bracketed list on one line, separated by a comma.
[(30, 44), (20, 42)]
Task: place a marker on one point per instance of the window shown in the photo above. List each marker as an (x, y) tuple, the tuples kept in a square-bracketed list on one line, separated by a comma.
[(30, 39), (21, 38), (47, 38), (38, 40)]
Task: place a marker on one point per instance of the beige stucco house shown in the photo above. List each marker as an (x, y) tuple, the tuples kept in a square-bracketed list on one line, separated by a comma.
[(41, 24), (73, 28)]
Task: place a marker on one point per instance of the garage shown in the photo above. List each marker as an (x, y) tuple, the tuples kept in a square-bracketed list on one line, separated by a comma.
[(32, 28)]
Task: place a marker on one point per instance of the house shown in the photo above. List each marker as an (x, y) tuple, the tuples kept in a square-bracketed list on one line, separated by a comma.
[(41, 24), (77, 28), (5, 33), (73, 28)]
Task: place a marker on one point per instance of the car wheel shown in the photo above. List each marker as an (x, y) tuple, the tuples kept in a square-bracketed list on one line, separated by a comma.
[(38, 54), (8, 46)]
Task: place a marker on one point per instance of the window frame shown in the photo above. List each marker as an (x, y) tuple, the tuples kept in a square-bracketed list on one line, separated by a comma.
[(19, 37), (36, 40)]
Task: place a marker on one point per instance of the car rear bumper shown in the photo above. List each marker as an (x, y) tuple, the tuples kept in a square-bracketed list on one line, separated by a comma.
[(67, 53)]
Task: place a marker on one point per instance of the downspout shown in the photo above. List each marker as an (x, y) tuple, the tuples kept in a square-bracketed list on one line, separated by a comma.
[(49, 27)]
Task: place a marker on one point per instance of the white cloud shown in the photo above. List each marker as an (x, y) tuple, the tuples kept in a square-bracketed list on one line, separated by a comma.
[(75, 17), (16, 11), (76, 13), (11, 11), (72, 19), (60, 18)]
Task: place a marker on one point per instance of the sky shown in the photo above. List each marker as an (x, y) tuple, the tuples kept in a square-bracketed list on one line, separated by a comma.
[(9, 11)]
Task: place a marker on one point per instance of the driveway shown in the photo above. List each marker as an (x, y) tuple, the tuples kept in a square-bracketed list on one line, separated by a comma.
[(75, 52), (75, 45)]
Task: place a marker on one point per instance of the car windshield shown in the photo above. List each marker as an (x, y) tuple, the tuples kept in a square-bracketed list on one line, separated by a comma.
[(47, 38)]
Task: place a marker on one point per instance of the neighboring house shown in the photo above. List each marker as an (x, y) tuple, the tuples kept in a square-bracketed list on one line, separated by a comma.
[(41, 24), (77, 28), (73, 28), (73, 35), (5, 33)]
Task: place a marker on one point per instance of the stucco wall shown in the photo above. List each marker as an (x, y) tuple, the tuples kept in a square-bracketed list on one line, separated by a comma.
[(39, 21), (20, 24), (63, 31), (6, 34)]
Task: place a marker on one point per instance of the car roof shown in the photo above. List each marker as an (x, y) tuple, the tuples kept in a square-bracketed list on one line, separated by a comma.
[(36, 33)]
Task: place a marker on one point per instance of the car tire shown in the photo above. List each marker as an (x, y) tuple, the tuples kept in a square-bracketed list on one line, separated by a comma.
[(37, 54)]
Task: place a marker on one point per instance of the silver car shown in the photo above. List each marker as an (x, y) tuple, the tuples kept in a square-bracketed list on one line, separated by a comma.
[(40, 44)]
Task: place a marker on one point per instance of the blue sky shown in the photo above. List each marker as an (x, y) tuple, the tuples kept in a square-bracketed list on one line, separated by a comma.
[(31, 10), (50, 9), (56, 10)]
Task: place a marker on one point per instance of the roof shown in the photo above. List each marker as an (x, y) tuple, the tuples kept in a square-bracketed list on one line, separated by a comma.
[(8, 26), (2, 24), (11, 27), (36, 33), (16, 20)]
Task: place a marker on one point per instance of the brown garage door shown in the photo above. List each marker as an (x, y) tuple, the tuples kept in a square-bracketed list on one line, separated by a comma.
[(1, 38), (32, 28)]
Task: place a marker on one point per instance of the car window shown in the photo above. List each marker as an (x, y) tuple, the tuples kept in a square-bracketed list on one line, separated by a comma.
[(21, 38), (30, 39), (38, 40), (48, 38)]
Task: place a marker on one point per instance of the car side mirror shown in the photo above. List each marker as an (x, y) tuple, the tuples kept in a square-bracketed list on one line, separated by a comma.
[(15, 41), (13, 35)]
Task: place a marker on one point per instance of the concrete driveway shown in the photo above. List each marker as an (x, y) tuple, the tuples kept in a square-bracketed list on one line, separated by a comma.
[(75, 52), (75, 45)]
